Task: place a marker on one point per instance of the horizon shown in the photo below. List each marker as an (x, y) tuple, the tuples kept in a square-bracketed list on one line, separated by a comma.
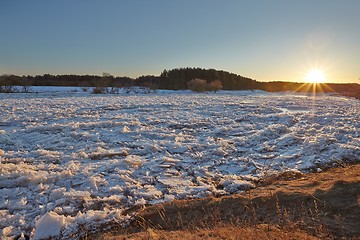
[(277, 41), (158, 75)]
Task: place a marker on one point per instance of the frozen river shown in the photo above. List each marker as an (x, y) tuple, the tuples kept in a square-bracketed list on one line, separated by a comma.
[(73, 160)]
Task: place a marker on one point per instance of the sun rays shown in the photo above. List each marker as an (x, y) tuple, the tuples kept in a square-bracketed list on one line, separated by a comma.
[(314, 82)]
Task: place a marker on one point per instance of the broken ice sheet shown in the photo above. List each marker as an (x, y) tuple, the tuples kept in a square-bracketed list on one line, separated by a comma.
[(79, 159)]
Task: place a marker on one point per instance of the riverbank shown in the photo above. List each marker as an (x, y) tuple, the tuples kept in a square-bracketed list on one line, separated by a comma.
[(311, 206)]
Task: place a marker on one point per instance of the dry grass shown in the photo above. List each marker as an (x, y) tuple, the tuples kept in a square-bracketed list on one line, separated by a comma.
[(263, 231), (318, 205)]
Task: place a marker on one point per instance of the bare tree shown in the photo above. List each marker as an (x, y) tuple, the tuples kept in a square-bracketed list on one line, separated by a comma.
[(197, 85), (215, 86), (102, 86), (200, 85), (7, 83), (25, 84)]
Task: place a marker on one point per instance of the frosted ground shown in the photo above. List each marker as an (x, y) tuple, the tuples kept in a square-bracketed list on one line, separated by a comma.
[(71, 161)]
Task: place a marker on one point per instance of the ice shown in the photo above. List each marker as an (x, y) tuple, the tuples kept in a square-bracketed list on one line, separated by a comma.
[(134, 161), (169, 198), (57, 194), (79, 160), (49, 225), (6, 231), (73, 194), (233, 185)]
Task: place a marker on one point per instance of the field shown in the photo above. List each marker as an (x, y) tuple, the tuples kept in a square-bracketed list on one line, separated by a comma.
[(71, 161)]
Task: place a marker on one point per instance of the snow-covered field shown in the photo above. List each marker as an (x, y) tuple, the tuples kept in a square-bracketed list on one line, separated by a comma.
[(71, 161)]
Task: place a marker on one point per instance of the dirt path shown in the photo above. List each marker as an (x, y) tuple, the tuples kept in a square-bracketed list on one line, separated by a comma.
[(315, 205)]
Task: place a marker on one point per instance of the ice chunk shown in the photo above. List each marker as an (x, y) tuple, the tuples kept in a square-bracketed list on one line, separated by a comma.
[(46, 153), (5, 139), (57, 194), (140, 201), (233, 185), (174, 182), (219, 152), (49, 225), (170, 160), (116, 189), (125, 129), (101, 153), (134, 161), (149, 192), (77, 194), (18, 204), (94, 182), (168, 197), (176, 148), (7, 231)]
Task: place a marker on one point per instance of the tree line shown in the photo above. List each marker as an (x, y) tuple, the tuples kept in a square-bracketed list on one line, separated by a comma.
[(175, 79)]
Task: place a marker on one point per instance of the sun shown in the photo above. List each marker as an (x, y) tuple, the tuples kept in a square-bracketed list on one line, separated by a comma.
[(315, 76), (315, 81)]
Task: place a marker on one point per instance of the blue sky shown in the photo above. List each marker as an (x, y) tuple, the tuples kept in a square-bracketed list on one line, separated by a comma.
[(261, 39)]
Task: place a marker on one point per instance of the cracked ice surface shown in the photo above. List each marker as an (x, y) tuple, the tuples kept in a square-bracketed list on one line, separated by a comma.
[(71, 161)]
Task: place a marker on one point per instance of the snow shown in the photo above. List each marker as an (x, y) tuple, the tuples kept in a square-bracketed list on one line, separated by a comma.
[(71, 161)]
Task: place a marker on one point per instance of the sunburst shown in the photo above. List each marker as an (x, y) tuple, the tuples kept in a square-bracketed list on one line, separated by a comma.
[(315, 76), (314, 82)]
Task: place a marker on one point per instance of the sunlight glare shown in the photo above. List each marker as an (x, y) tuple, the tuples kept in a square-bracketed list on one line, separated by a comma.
[(315, 76)]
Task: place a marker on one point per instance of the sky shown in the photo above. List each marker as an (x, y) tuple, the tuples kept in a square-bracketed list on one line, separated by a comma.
[(266, 40)]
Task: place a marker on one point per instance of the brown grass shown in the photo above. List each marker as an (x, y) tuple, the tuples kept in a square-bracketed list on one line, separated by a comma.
[(318, 205), (263, 231)]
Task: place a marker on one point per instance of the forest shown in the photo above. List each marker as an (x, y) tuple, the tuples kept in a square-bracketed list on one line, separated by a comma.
[(175, 79)]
